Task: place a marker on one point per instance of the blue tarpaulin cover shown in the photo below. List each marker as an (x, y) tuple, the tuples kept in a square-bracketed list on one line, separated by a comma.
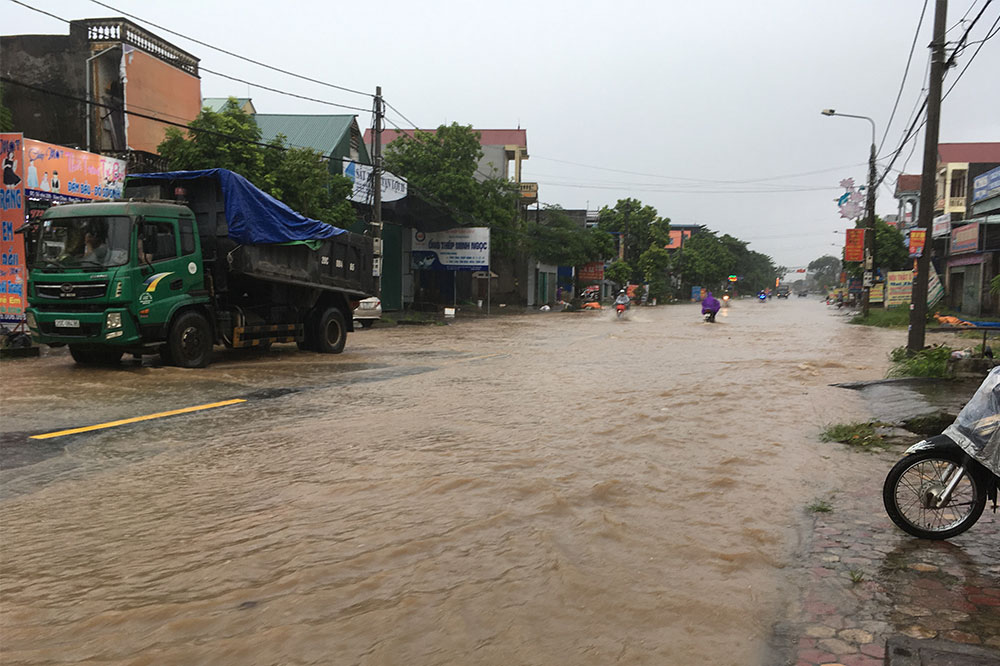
[(254, 216)]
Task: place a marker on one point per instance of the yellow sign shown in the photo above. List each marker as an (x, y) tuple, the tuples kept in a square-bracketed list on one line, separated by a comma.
[(900, 284), (877, 293)]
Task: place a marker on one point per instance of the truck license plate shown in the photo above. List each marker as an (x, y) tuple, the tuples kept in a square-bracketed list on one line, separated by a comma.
[(67, 323)]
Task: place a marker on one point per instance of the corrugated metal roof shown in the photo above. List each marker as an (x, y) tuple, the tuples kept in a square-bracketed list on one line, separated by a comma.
[(488, 137), (319, 132), (973, 153)]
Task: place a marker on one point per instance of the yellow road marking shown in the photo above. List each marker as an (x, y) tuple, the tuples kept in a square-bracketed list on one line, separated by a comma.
[(136, 419)]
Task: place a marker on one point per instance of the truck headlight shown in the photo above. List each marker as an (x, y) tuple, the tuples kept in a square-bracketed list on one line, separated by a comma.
[(113, 320), (30, 318)]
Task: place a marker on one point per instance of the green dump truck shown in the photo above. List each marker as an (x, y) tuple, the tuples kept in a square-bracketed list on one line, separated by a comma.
[(188, 260)]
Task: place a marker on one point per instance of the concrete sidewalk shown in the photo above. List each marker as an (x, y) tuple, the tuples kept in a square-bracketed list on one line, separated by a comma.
[(865, 583)]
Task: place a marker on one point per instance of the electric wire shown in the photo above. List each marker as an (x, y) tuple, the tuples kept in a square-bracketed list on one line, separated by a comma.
[(906, 70), (229, 53), (210, 71)]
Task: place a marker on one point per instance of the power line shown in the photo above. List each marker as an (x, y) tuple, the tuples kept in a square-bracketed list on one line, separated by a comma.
[(906, 70), (229, 53), (210, 71)]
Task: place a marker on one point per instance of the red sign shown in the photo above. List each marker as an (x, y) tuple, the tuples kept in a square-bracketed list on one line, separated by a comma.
[(13, 277), (854, 247), (591, 272), (918, 238), (965, 238)]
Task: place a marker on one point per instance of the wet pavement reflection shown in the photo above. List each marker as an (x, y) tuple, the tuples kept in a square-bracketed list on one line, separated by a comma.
[(536, 489)]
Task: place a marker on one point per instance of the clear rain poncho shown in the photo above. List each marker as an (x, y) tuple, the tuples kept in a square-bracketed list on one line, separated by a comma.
[(977, 428)]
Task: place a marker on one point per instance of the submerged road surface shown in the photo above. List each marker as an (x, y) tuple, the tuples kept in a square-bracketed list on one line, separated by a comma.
[(544, 489)]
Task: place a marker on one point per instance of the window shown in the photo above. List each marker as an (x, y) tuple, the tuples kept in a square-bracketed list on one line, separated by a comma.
[(958, 184), (187, 237), (158, 241)]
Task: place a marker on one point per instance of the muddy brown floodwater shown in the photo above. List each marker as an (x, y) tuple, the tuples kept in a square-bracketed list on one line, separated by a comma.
[(540, 489)]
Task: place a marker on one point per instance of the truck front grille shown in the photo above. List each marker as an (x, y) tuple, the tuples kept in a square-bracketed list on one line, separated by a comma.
[(71, 290)]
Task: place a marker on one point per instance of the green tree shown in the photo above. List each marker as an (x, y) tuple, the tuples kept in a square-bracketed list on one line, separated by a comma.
[(825, 271), (639, 227), (6, 118), (230, 139), (620, 272), (655, 264), (561, 241), (441, 166), (705, 260)]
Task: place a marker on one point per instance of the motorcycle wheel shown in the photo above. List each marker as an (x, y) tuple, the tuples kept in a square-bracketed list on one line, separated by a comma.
[(909, 486)]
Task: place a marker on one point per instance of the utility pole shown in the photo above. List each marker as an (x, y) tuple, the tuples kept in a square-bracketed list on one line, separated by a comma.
[(928, 183), (377, 192), (868, 279)]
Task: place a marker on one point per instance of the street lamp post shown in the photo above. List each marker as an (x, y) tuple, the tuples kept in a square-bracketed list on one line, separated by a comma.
[(869, 263)]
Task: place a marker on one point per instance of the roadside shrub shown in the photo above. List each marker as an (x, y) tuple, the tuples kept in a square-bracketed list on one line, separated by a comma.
[(929, 362)]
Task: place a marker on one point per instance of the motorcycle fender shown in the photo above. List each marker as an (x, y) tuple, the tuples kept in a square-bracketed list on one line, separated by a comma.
[(939, 442)]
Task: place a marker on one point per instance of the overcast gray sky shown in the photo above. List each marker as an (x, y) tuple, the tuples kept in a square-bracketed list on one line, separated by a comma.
[(682, 94)]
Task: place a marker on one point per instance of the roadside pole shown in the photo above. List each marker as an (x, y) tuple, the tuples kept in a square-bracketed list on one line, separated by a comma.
[(868, 273), (928, 183), (376, 223)]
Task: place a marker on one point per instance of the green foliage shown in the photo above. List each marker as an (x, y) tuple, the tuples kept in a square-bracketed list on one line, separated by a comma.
[(640, 228), (441, 165), (995, 285), (620, 272), (6, 118), (654, 263), (705, 260), (819, 506), (890, 250), (825, 271), (929, 362), (230, 139), (891, 318), (860, 435), (856, 575), (559, 240)]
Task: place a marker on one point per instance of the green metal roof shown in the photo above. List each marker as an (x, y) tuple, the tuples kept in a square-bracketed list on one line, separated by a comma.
[(321, 133)]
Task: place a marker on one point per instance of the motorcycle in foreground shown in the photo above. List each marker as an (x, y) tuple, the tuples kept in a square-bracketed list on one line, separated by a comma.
[(939, 489), (620, 309)]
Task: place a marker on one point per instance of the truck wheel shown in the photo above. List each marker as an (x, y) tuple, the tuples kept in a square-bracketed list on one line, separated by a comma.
[(190, 341), (85, 356), (331, 334)]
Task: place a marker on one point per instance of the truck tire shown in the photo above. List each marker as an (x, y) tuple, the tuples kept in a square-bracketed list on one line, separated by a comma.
[(92, 356), (190, 340), (331, 333)]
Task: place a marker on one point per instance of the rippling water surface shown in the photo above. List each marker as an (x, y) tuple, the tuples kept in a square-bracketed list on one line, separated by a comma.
[(542, 489)]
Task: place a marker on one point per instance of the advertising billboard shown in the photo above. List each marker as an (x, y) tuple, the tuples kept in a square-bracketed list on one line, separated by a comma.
[(986, 185), (463, 249), (941, 226), (854, 246), (393, 187), (965, 238), (591, 272), (899, 285), (59, 174), (12, 206), (155, 88)]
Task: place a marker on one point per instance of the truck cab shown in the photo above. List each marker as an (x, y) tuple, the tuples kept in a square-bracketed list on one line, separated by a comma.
[(108, 277)]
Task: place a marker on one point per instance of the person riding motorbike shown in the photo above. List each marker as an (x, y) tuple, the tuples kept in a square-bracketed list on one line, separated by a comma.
[(710, 307), (622, 302)]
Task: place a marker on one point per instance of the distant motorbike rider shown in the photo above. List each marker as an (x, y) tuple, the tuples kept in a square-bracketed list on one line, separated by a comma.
[(710, 306), (623, 299)]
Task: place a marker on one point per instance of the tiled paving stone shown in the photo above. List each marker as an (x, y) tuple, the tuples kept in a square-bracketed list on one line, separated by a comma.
[(864, 581)]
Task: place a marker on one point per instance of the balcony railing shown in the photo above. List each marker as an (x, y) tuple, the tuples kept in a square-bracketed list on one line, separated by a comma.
[(126, 32)]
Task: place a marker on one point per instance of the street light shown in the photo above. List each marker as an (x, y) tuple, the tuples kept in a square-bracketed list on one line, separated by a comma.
[(869, 275)]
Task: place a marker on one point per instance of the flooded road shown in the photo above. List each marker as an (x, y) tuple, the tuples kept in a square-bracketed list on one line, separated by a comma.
[(540, 489)]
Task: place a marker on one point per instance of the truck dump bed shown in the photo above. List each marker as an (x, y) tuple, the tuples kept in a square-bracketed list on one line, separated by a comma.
[(297, 250)]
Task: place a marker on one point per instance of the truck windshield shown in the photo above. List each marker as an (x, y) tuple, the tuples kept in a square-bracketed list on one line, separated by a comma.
[(84, 242)]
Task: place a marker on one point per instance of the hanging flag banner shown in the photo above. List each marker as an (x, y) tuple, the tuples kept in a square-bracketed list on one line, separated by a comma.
[(13, 276), (854, 246), (917, 241)]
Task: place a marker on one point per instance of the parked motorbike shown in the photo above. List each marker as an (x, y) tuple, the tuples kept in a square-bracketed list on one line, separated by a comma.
[(939, 489)]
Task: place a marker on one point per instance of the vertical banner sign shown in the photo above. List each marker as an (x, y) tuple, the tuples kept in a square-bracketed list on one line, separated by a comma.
[(934, 289), (877, 293), (13, 276), (918, 237), (854, 246)]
